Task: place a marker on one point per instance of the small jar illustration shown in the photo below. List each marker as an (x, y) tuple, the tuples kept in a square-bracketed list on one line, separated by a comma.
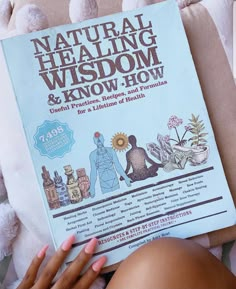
[(72, 186), (50, 190), (84, 183)]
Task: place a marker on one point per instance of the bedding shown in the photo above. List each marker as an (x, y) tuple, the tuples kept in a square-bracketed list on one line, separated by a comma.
[(208, 28)]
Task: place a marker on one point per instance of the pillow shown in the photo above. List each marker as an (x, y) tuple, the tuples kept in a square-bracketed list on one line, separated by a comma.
[(62, 10), (219, 91), (221, 12)]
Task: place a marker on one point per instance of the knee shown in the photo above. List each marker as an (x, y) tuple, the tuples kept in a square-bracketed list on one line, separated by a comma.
[(171, 263), (166, 256)]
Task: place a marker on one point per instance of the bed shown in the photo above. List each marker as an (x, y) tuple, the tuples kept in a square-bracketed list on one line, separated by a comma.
[(208, 25)]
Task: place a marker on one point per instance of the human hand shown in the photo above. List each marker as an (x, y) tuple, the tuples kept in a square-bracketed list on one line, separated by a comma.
[(69, 279)]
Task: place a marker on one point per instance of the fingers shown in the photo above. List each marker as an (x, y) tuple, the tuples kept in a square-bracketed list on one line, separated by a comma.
[(70, 277), (32, 271), (91, 274), (54, 264)]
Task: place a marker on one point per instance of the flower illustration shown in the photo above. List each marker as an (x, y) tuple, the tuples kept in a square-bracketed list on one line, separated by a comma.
[(187, 127), (173, 123), (166, 138)]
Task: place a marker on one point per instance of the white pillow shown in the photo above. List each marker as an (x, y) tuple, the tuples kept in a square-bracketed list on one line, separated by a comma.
[(17, 167), (221, 12)]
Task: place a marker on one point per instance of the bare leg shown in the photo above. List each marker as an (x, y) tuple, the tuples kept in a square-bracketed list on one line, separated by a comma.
[(172, 263)]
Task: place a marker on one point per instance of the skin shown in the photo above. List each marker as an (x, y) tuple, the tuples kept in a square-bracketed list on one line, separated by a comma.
[(166, 263), (69, 279), (172, 263)]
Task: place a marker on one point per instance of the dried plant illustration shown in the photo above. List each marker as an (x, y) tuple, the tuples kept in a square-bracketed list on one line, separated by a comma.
[(174, 152), (162, 149)]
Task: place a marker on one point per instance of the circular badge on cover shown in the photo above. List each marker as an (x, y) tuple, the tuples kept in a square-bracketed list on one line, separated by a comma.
[(53, 139)]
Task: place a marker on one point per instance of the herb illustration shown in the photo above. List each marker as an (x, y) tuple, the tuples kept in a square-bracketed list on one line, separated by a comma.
[(176, 152), (197, 128)]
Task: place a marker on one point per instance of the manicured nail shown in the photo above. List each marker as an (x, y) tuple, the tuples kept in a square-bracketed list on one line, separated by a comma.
[(90, 247), (97, 266), (66, 246), (42, 252)]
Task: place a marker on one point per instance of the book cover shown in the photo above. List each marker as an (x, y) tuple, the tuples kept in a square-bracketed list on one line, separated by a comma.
[(118, 131)]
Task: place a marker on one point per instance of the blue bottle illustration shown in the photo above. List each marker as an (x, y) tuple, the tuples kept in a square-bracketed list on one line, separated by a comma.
[(61, 189)]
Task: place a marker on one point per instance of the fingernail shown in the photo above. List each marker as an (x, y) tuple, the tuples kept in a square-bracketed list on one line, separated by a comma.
[(97, 266), (66, 245), (42, 252), (90, 247)]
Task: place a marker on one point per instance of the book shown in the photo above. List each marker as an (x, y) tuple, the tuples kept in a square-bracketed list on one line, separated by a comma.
[(118, 131)]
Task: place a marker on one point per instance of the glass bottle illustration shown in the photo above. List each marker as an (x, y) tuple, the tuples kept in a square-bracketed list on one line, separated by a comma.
[(72, 186), (84, 183), (61, 189), (50, 190)]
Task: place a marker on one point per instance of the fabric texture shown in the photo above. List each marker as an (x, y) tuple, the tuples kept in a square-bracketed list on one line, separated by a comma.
[(219, 91), (221, 12)]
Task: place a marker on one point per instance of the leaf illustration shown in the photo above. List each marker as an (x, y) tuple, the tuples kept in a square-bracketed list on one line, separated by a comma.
[(202, 140), (194, 143), (197, 129), (193, 138), (203, 134)]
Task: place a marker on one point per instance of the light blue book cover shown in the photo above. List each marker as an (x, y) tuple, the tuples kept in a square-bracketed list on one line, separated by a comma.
[(118, 131)]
